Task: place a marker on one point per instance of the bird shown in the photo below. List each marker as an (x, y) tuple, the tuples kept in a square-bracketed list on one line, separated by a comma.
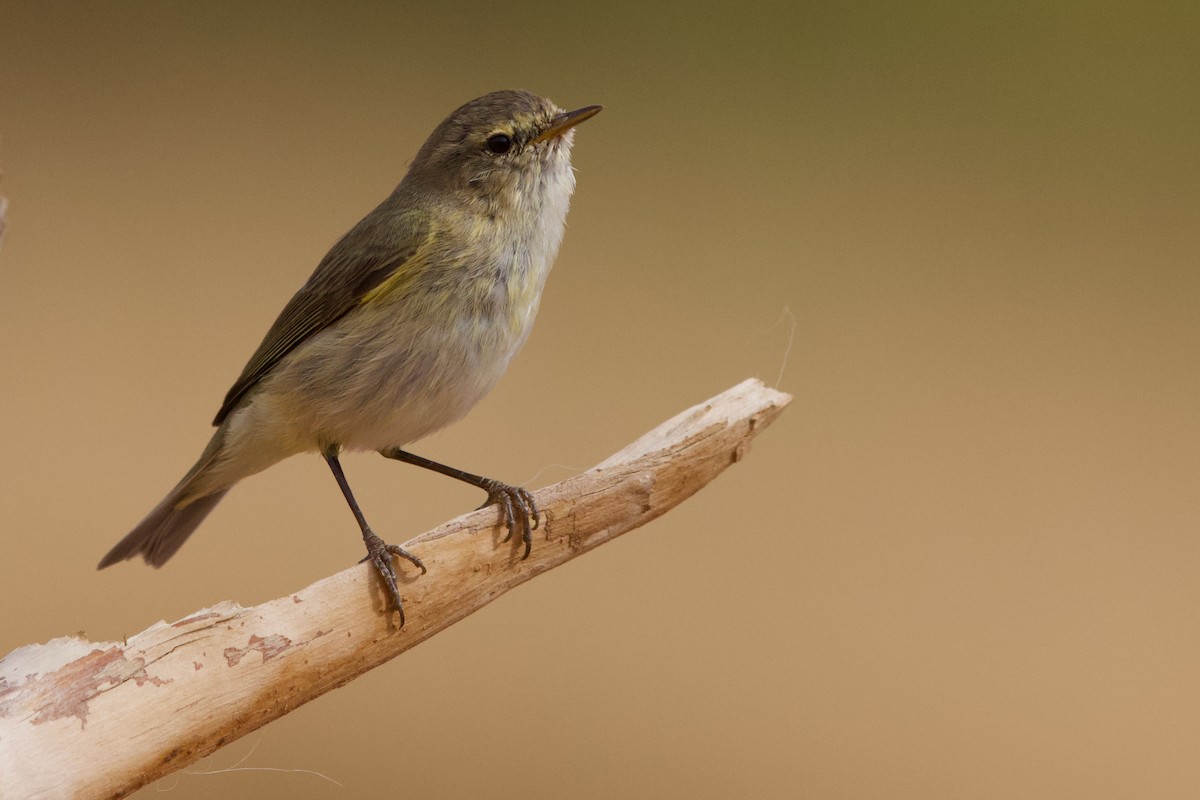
[(407, 322)]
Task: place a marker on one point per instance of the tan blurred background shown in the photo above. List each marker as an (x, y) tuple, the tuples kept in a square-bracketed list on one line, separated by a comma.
[(965, 563)]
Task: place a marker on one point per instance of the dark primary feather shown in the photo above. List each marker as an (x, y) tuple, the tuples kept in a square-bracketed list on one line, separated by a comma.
[(361, 260)]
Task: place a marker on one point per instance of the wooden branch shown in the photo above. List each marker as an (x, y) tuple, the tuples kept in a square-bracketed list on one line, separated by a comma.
[(100, 719)]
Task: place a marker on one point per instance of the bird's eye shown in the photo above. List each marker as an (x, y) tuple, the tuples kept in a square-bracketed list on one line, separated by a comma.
[(499, 143)]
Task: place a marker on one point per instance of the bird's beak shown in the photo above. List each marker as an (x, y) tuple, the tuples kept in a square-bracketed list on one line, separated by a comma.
[(565, 121)]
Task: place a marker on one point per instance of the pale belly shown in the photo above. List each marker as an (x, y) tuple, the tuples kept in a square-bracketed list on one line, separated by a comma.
[(370, 382)]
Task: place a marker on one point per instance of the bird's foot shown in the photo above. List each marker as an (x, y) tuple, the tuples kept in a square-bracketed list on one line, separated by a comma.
[(518, 509), (380, 554)]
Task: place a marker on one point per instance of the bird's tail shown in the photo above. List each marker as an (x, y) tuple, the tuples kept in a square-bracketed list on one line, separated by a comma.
[(163, 531), (167, 527)]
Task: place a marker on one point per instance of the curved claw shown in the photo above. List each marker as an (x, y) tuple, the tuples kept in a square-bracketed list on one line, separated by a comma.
[(380, 555), (517, 509), (397, 550)]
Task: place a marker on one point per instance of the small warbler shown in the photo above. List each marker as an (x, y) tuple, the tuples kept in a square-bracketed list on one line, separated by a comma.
[(408, 321)]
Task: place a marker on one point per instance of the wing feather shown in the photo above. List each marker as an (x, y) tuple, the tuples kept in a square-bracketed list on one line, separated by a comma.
[(370, 253)]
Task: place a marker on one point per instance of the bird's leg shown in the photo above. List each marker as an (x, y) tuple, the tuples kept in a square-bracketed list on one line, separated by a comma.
[(378, 551), (518, 509)]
